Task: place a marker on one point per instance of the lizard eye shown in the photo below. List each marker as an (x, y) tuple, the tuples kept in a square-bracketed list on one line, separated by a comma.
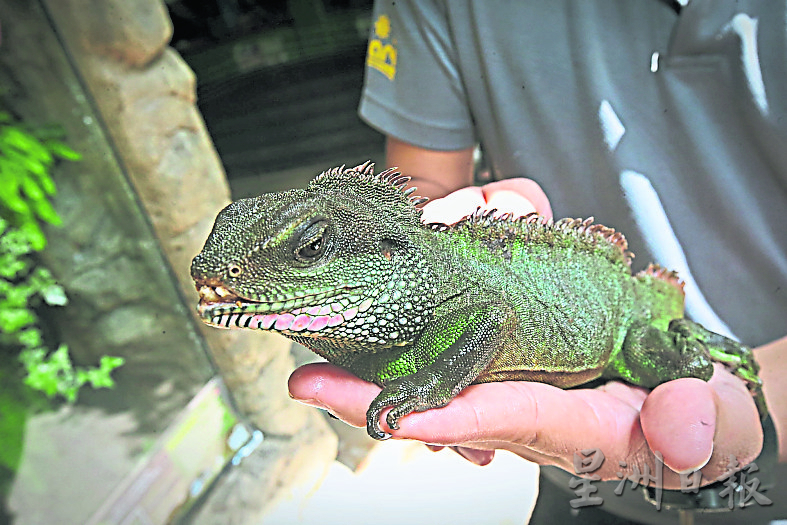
[(234, 270), (312, 243)]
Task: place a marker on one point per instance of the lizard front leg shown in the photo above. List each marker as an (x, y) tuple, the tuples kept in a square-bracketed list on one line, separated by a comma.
[(461, 344)]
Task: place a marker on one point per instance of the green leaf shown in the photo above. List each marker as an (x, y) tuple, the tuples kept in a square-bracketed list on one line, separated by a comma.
[(26, 187), (32, 356), (31, 338), (109, 363), (26, 143), (99, 379), (34, 235), (15, 242), (47, 184), (53, 375), (56, 375), (32, 190), (14, 319), (10, 196), (46, 212), (41, 375), (10, 266), (61, 150)]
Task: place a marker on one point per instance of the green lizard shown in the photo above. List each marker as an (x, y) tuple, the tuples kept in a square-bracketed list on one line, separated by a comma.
[(346, 268)]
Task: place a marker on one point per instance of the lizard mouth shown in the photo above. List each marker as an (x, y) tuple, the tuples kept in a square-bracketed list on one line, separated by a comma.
[(223, 308)]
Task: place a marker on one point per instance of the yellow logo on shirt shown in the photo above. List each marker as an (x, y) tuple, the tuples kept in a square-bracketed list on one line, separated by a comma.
[(381, 54)]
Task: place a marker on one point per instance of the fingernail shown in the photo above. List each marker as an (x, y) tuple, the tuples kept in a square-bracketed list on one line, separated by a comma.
[(309, 402), (699, 466)]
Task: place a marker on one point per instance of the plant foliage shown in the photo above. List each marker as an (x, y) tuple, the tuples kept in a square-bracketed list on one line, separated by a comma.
[(26, 187)]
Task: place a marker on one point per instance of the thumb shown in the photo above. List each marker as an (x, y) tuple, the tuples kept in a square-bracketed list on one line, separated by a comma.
[(678, 419)]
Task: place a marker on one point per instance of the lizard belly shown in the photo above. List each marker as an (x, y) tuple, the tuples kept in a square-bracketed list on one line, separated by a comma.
[(562, 379)]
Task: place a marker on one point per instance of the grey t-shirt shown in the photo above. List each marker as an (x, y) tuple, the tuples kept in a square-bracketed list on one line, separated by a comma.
[(669, 127)]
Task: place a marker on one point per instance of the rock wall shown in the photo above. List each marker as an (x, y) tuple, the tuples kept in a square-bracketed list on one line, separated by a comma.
[(135, 210), (145, 95)]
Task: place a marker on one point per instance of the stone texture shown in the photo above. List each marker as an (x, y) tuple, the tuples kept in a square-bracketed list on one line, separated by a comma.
[(243, 496), (122, 299), (131, 32), (135, 210), (145, 95)]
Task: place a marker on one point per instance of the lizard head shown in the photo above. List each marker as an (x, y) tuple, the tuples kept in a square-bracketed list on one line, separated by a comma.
[(306, 262)]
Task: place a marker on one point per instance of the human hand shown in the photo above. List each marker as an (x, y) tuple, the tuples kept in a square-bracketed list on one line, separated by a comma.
[(693, 424), (516, 196)]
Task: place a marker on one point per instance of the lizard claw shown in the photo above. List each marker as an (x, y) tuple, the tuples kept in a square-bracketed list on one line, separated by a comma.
[(403, 395), (381, 436), (395, 394), (373, 427)]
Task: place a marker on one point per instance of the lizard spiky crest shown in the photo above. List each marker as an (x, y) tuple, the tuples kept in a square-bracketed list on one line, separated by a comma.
[(668, 276), (535, 228), (386, 188)]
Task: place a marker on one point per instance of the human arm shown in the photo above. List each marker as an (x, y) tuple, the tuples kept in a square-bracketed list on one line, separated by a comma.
[(434, 173), (438, 173)]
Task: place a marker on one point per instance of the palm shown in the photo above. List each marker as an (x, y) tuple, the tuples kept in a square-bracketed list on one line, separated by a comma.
[(682, 419), (692, 423)]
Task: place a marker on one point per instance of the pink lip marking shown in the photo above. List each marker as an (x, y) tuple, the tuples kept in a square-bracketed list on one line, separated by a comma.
[(268, 320), (300, 322), (352, 312), (314, 310), (284, 322), (325, 310), (336, 320), (318, 323)]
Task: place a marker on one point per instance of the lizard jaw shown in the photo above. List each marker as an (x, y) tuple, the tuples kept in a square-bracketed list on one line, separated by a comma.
[(222, 308)]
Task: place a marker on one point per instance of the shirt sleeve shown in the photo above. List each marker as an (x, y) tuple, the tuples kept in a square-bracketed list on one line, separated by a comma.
[(413, 90)]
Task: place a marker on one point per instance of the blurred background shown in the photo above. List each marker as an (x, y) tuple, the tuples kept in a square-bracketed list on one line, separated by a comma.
[(278, 85), (125, 126)]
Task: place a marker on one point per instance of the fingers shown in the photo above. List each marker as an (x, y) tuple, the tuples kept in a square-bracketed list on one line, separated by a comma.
[(679, 420), (738, 426), (507, 201), (329, 387), (695, 424), (630, 395), (527, 197), (688, 421), (477, 456), (453, 207), (516, 196), (537, 421)]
